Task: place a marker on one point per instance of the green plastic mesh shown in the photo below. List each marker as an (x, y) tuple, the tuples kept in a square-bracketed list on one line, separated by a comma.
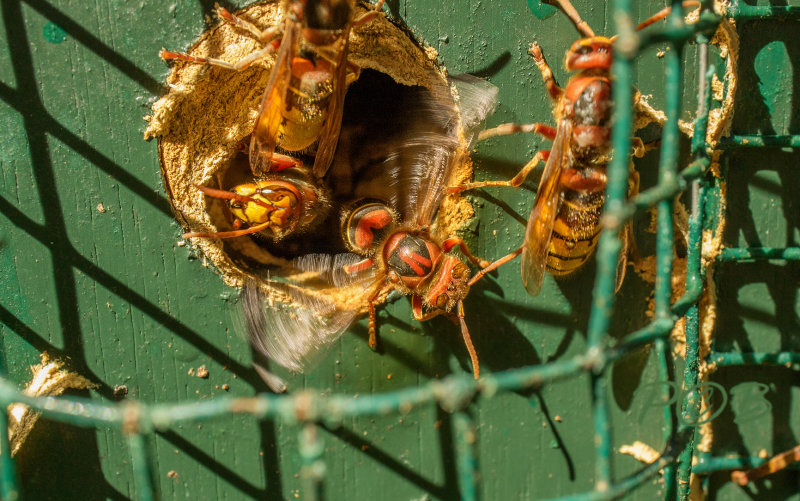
[(455, 393)]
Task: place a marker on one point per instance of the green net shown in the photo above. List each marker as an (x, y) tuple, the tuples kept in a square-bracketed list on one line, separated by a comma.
[(138, 421)]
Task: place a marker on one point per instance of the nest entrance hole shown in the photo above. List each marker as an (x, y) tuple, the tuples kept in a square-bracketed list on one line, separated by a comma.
[(378, 114), (205, 119)]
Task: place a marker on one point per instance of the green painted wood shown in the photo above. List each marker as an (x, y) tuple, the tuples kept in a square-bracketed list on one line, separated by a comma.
[(759, 301), (114, 292)]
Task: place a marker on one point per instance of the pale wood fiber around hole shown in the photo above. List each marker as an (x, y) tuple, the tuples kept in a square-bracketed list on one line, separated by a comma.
[(209, 110)]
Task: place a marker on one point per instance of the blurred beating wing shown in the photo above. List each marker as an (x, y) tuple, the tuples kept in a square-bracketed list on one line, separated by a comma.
[(421, 169), (296, 333), (418, 172), (543, 215), (477, 99), (329, 135), (264, 137)]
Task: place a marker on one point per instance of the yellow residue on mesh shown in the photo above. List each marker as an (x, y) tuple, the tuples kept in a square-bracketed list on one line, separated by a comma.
[(719, 122), (720, 119), (49, 379), (641, 452)]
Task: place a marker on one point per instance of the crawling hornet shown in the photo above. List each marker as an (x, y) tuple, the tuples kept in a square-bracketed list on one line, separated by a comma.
[(564, 225), (301, 108), (394, 244)]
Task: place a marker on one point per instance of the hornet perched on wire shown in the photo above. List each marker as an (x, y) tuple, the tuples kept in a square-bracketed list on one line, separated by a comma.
[(564, 225)]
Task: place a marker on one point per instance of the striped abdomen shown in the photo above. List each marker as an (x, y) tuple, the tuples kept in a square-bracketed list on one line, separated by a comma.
[(294, 120), (366, 225), (575, 231)]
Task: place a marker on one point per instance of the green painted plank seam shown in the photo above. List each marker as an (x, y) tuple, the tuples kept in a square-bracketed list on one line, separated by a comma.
[(455, 392)]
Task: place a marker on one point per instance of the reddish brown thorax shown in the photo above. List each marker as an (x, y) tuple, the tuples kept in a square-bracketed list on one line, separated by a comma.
[(421, 266), (588, 99), (411, 258)]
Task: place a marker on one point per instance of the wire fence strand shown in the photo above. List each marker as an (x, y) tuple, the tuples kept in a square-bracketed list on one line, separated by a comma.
[(455, 393)]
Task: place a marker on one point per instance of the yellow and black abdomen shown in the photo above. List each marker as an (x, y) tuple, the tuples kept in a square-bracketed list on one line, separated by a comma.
[(306, 106), (575, 231)]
